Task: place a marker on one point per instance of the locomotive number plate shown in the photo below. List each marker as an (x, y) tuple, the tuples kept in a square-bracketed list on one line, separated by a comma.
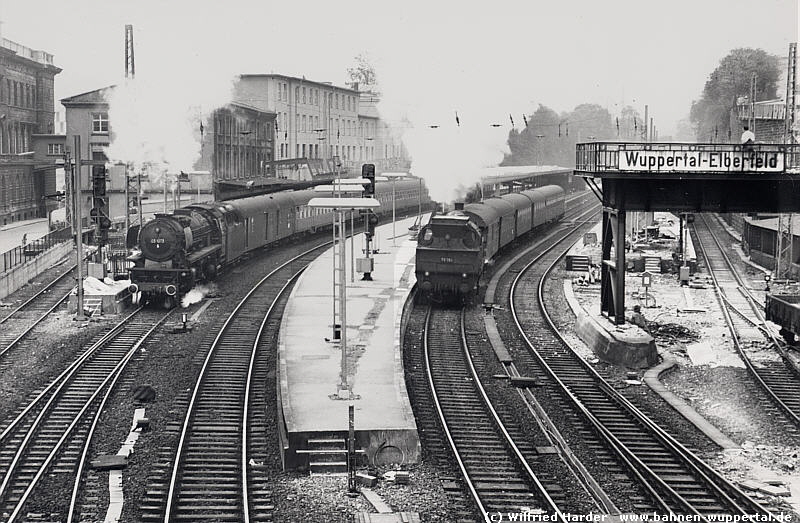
[(157, 240), (445, 259)]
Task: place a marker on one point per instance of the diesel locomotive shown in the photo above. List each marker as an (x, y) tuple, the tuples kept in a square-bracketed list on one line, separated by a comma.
[(453, 248), (191, 245)]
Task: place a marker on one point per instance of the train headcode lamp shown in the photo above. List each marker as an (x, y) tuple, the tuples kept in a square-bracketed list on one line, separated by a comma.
[(767, 279)]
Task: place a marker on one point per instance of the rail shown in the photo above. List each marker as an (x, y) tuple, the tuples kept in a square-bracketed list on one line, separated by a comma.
[(21, 254), (683, 158)]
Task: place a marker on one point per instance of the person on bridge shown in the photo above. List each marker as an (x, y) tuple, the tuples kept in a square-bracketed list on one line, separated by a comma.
[(748, 138)]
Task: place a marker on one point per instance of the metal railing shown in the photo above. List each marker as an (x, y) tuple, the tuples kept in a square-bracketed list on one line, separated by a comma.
[(619, 157), (763, 111), (24, 253)]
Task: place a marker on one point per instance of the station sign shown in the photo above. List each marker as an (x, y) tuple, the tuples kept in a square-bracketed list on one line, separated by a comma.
[(701, 160)]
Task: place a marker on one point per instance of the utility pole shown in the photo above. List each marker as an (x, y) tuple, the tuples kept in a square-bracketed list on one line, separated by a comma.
[(78, 227), (646, 109), (791, 79), (785, 248), (753, 103)]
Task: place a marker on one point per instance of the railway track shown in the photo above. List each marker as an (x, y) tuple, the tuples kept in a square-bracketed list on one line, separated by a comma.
[(51, 433), (495, 469), (216, 474), (31, 313), (745, 319), (673, 480)]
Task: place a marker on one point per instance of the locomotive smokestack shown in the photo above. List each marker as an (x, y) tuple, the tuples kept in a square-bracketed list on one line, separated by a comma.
[(459, 206)]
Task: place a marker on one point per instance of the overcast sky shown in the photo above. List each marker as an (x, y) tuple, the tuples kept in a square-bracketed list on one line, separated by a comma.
[(506, 56)]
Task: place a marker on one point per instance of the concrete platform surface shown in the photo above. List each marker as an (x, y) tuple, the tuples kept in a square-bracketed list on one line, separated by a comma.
[(310, 367)]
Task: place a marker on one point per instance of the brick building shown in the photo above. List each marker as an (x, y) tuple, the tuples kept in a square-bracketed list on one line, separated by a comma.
[(26, 109)]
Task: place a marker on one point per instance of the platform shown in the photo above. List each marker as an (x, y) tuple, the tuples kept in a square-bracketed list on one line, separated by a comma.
[(309, 366)]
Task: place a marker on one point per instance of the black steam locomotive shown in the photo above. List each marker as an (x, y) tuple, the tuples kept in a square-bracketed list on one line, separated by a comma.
[(191, 245), (452, 249)]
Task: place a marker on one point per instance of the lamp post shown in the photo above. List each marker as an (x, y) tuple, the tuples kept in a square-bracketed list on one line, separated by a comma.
[(393, 177), (340, 206), (349, 186)]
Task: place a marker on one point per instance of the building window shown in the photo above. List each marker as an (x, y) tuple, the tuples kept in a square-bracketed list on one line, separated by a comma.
[(296, 95), (304, 95), (55, 149), (100, 123)]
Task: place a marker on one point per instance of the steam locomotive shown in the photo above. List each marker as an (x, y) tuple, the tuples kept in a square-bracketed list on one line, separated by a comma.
[(194, 243), (452, 249)]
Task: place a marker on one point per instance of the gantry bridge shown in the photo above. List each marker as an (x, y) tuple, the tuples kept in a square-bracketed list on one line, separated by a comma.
[(680, 178)]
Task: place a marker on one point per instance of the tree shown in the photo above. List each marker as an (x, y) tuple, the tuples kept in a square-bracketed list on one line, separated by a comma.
[(363, 73), (711, 114), (550, 138)]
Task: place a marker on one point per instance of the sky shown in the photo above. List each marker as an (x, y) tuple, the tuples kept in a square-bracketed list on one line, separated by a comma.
[(485, 60)]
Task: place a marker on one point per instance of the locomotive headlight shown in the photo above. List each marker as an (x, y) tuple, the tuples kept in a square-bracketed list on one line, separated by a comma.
[(463, 274), (427, 273)]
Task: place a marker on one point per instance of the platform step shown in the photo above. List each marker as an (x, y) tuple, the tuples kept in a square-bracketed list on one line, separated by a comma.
[(577, 262), (652, 264)]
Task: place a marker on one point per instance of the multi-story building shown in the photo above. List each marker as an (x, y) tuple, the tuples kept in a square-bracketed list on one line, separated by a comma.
[(315, 120), (236, 147), (238, 143), (26, 109), (383, 140)]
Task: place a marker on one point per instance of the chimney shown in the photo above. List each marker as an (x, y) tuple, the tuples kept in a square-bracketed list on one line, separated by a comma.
[(459, 206)]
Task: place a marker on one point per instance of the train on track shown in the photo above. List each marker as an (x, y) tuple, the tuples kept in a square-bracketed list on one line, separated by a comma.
[(194, 243), (453, 248), (784, 309)]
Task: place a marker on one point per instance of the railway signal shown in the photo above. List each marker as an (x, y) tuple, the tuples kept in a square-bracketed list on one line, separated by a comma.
[(368, 173)]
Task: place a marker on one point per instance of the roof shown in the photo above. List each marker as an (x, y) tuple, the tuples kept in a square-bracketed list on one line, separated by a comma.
[(296, 79), (516, 172), (98, 96), (483, 215), (503, 207), (251, 108), (772, 223), (517, 200)]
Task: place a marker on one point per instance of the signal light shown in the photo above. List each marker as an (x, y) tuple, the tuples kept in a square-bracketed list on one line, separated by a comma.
[(368, 172)]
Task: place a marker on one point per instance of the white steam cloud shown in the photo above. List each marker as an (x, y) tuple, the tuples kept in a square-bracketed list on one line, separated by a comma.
[(197, 293), (468, 76), (155, 118)]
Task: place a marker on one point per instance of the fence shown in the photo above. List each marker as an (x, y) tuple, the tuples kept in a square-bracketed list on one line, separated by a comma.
[(24, 253)]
